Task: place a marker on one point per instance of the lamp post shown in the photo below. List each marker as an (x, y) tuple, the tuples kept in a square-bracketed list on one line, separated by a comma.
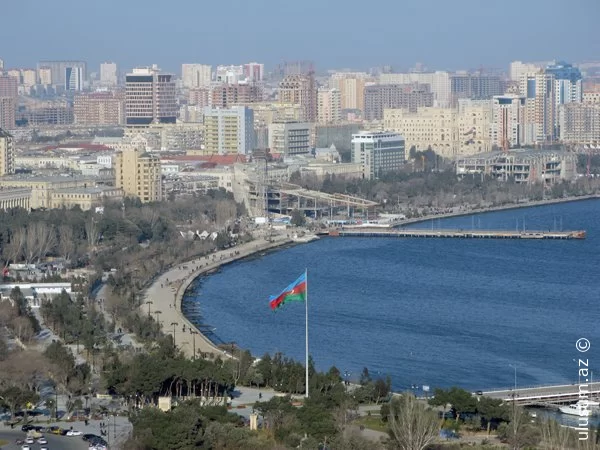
[(157, 321), (174, 324), (193, 333), (514, 408), (149, 302)]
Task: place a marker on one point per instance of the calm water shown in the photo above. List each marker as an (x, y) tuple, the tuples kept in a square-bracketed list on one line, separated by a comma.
[(428, 312)]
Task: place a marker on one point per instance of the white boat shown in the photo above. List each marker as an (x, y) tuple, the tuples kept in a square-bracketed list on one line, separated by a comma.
[(581, 409)]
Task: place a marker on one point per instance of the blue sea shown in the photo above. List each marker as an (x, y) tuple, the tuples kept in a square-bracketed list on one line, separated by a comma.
[(434, 312)]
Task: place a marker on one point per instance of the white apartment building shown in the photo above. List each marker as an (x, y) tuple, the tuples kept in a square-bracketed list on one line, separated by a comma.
[(518, 69), (438, 81), (196, 75), (540, 106), (108, 74), (289, 138), (229, 74), (329, 106), (508, 121), (378, 152)]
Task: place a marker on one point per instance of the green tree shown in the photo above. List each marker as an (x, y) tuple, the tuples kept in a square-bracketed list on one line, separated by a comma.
[(298, 218), (461, 401)]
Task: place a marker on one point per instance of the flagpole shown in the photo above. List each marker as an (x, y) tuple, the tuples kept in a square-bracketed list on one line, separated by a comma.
[(306, 321)]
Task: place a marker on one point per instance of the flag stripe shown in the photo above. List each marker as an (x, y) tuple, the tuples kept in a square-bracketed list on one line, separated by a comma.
[(294, 292)]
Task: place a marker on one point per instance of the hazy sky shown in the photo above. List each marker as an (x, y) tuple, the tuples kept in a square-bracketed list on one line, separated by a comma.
[(443, 34)]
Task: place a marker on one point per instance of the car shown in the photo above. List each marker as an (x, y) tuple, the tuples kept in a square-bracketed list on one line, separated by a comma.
[(29, 440), (89, 437), (42, 440), (74, 433), (55, 430), (43, 448), (25, 447), (98, 441), (26, 428)]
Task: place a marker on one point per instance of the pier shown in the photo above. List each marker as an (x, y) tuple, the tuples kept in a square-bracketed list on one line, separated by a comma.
[(546, 395), (457, 234)]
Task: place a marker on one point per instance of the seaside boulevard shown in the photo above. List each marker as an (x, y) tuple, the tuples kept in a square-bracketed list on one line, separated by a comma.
[(167, 291)]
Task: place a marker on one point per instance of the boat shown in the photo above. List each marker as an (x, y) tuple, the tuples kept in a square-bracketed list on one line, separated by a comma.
[(581, 409)]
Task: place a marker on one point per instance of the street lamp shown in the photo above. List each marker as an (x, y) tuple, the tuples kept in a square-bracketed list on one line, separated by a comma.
[(514, 366), (149, 302), (514, 408), (174, 324), (194, 333)]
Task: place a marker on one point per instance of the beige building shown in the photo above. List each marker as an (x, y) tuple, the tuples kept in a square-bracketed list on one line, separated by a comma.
[(329, 106), (7, 153), (473, 122), (196, 75), (42, 188), (508, 121), (540, 106), (579, 123), (84, 198), (591, 97), (99, 108), (229, 130), (352, 88), (138, 174), (14, 198), (29, 77), (7, 112), (300, 90), (45, 75)]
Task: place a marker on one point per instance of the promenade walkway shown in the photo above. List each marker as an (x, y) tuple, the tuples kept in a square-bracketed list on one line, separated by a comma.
[(167, 291)]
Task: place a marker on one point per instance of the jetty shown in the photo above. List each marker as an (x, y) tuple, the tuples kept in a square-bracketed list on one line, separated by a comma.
[(545, 396), (457, 234)]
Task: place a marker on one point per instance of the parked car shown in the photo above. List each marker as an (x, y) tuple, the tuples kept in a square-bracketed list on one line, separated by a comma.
[(29, 440), (89, 437), (55, 430), (42, 440), (26, 428), (74, 433)]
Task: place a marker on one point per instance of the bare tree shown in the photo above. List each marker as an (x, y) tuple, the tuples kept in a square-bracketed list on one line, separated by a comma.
[(39, 241), (413, 426), (66, 243), (91, 231), (14, 250), (225, 210), (554, 436)]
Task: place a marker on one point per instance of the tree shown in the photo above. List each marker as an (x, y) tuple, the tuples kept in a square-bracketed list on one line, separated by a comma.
[(412, 425), (492, 410), (460, 400), (298, 218), (520, 432)]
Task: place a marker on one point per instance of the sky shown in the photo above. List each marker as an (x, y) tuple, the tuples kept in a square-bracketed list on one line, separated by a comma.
[(334, 34)]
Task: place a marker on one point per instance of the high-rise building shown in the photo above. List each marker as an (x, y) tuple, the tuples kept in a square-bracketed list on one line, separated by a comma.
[(352, 88), (138, 173), (519, 68), (73, 79), (477, 86), (289, 138), (1, 64), (385, 96), (108, 74), (149, 97), (254, 72), (301, 90), (540, 106), (57, 69), (378, 152), (229, 74), (508, 121), (99, 108), (229, 130), (199, 97), (8, 107), (7, 153), (567, 83), (329, 106), (29, 77), (9, 86), (45, 75), (196, 75), (580, 123), (224, 95), (439, 83)]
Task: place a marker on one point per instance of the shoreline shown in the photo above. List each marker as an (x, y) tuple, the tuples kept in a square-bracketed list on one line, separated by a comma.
[(506, 207), (176, 281)]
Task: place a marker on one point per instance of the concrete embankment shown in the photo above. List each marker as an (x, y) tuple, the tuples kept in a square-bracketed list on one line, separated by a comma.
[(469, 212), (166, 293)]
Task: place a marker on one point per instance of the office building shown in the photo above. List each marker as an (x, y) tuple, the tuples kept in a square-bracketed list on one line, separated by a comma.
[(138, 173), (99, 108), (108, 74), (378, 152), (7, 153), (254, 72), (45, 76), (439, 83), (58, 70), (476, 86), (567, 83), (518, 69), (352, 89), (395, 96), (9, 86), (14, 198), (149, 97), (289, 138), (224, 95), (508, 121), (580, 123), (229, 130), (329, 106), (540, 106), (73, 79), (300, 90), (42, 188), (196, 75)]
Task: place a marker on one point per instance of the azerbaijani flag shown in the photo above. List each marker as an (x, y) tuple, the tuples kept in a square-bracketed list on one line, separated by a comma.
[(295, 292)]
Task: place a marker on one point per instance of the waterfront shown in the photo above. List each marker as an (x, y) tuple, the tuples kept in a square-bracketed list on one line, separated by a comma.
[(435, 312)]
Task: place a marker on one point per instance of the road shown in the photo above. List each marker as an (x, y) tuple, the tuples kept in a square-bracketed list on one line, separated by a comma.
[(54, 442)]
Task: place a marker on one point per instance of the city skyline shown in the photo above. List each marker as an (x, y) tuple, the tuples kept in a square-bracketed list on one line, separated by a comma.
[(443, 37)]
